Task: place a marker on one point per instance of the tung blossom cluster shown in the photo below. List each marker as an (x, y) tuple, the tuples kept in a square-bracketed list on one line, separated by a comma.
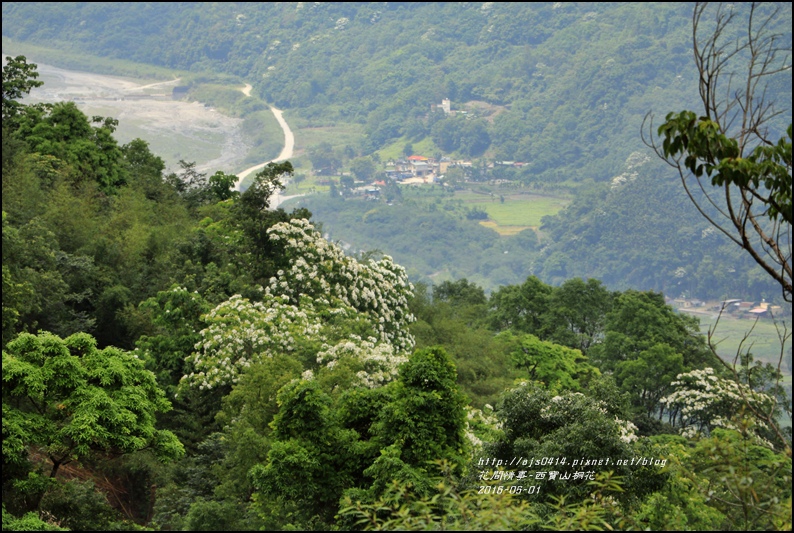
[(240, 332), (706, 401), (627, 429), (381, 363), (311, 309), (484, 423), (320, 269), (572, 401), (561, 407)]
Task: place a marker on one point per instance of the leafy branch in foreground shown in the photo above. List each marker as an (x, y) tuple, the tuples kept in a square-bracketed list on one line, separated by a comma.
[(733, 142), (65, 399), (19, 77)]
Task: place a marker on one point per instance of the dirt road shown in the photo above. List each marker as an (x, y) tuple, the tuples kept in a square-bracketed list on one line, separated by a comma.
[(286, 152)]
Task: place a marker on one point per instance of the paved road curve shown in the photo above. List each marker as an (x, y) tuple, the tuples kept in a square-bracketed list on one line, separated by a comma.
[(286, 153)]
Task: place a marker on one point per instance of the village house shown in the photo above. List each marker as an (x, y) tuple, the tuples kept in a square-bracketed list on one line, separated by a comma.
[(419, 166), (445, 106), (367, 192)]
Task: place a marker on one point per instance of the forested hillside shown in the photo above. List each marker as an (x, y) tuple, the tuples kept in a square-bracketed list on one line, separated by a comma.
[(609, 231), (573, 81), (561, 88), (177, 356), (180, 355)]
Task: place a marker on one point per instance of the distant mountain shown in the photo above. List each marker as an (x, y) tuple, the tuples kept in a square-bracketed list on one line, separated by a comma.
[(573, 80), (642, 231)]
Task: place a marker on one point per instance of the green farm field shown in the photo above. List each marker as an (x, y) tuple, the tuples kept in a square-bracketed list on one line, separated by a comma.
[(763, 340), (424, 147), (307, 133), (518, 211)]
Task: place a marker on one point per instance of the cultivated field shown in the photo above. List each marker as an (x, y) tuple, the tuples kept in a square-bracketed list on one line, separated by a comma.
[(518, 212), (763, 341)]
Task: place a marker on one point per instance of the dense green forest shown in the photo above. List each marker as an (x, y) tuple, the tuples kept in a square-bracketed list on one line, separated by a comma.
[(177, 356)]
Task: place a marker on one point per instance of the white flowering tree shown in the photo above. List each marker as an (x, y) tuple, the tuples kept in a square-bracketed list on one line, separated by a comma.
[(325, 308), (703, 401), (240, 332), (320, 269), (482, 425), (380, 361)]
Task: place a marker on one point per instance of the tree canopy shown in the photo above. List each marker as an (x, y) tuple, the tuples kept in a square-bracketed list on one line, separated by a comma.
[(19, 77), (70, 398)]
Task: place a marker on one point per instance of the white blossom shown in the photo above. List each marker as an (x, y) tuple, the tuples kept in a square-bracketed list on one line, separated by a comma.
[(706, 401), (320, 282)]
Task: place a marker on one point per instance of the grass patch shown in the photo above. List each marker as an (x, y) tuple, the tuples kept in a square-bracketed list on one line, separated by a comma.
[(425, 147), (763, 342), (263, 132), (309, 184), (505, 231), (517, 212), (221, 96), (337, 134)]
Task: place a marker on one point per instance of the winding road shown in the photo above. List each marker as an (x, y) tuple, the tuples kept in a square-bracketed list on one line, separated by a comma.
[(286, 152)]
